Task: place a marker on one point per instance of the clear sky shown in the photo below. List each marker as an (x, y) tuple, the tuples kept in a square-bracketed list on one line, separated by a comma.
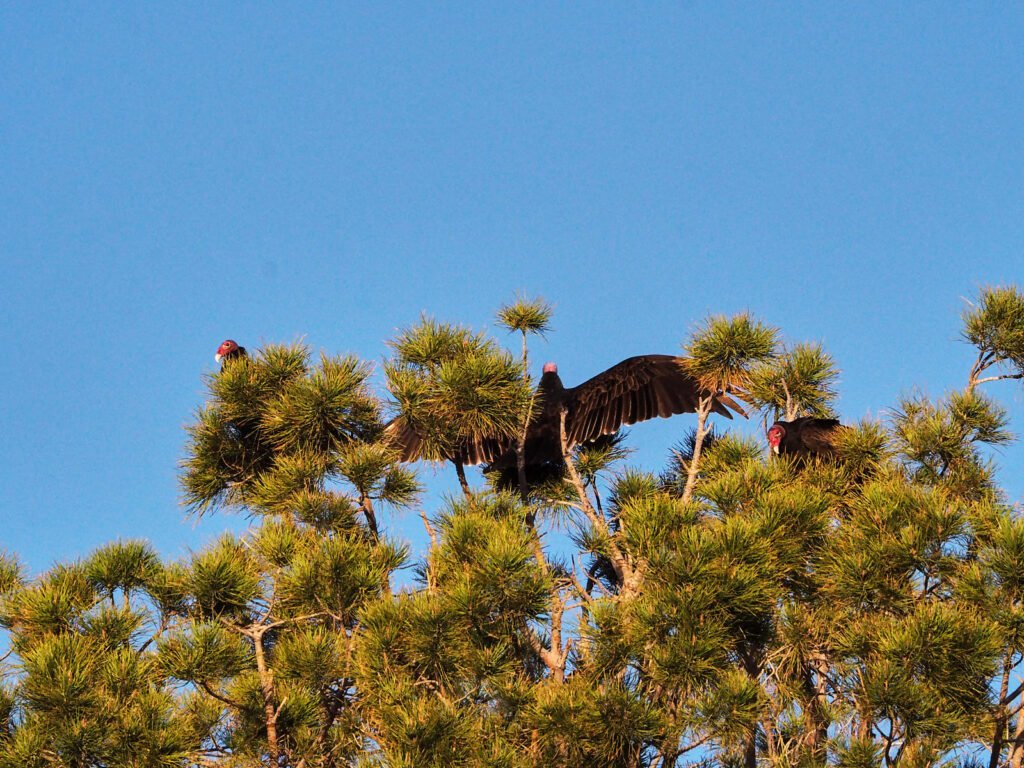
[(176, 174)]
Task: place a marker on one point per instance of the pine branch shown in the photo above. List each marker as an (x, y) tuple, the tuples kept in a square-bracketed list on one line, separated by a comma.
[(1006, 698), (623, 569), (703, 411), (562, 503), (1001, 714), (684, 748), (549, 657), (321, 737), (366, 505), (584, 594), (461, 473), (224, 699), (1017, 752), (269, 693), (430, 530), (524, 489), (161, 629), (975, 382)]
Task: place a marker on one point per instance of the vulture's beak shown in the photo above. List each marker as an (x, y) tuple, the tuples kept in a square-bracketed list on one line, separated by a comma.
[(218, 356), (775, 448)]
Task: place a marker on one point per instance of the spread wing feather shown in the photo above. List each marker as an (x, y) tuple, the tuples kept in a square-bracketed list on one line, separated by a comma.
[(482, 450), (404, 439), (637, 389), (409, 443)]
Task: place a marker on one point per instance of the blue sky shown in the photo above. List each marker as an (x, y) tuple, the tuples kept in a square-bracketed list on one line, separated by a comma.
[(174, 175)]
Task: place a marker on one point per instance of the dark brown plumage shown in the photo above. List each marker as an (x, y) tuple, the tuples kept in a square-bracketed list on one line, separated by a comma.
[(804, 438), (634, 390), (410, 443)]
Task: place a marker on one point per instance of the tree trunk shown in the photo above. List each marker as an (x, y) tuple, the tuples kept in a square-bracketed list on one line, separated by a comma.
[(814, 737), (524, 491), (267, 688), (1017, 753), (703, 409), (865, 723), (750, 752), (624, 571), (461, 472), (371, 518), (997, 737), (752, 666), (815, 687)]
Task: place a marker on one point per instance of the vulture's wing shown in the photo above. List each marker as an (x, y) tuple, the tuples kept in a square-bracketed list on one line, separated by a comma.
[(403, 438), (409, 443), (816, 435), (636, 389), (481, 450)]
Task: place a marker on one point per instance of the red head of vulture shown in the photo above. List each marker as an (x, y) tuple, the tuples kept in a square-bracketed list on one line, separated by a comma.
[(229, 350)]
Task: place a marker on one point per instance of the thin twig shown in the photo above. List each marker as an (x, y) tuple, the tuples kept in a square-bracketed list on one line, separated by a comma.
[(206, 687), (430, 529)]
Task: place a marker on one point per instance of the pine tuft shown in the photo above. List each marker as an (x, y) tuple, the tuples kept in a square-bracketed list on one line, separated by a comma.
[(525, 315), (722, 351)]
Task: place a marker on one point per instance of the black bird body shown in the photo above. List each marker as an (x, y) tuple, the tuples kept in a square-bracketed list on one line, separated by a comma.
[(804, 438), (637, 389)]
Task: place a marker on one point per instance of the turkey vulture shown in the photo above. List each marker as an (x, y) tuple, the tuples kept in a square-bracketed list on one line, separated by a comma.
[(804, 438), (229, 350), (637, 389)]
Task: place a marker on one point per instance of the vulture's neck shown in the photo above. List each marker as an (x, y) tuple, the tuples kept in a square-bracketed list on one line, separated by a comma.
[(550, 384)]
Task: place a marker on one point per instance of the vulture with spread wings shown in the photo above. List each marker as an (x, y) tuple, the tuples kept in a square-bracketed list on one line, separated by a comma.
[(637, 389)]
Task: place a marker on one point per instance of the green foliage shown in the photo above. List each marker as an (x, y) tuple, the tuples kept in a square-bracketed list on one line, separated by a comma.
[(598, 457), (278, 433), (721, 352), (11, 573), (995, 325), (865, 449), (324, 411), (335, 576), (452, 385), (223, 580), (372, 470), (736, 610), (526, 315), (89, 692), (674, 476), (206, 652), (940, 442), (799, 382), (124, 566)]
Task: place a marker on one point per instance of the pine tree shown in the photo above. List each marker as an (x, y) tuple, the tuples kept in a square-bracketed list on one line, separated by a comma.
[(735, 610), (452, 385)]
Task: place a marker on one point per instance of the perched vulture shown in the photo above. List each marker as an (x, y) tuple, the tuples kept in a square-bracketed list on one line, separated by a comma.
[(636, 389), (804, 438), (229, 350)]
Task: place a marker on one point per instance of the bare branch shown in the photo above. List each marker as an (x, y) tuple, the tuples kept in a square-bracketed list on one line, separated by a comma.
[(703, 410), (623, 569), (430, 529), (976, 382), (224, 699)]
